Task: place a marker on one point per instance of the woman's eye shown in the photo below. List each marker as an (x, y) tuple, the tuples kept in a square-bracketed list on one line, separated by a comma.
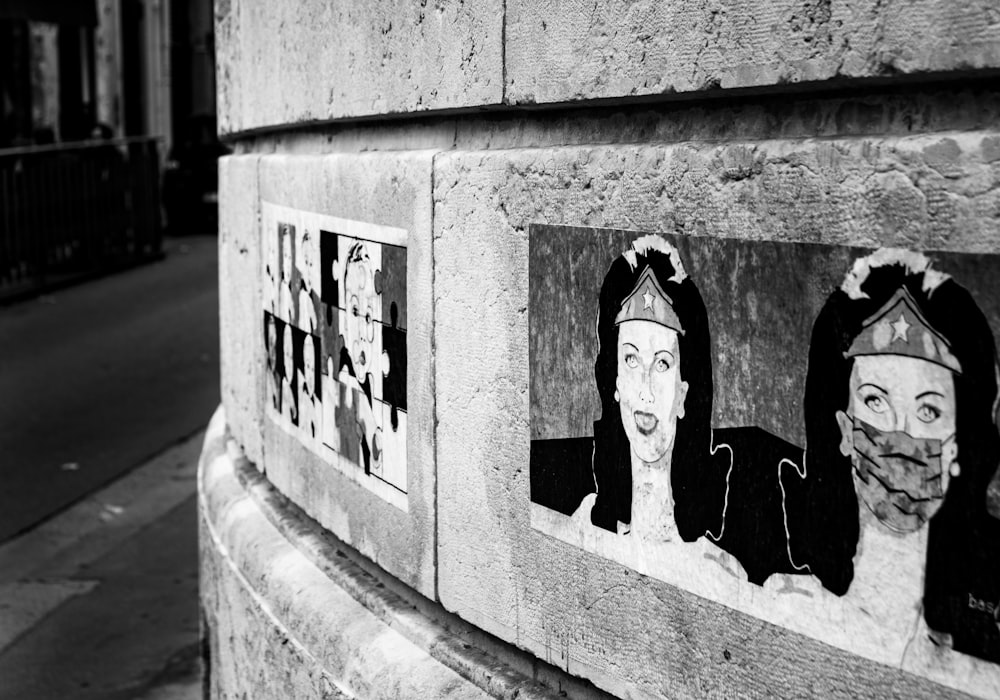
[(928, 413), (631, 360), (876, 403), (661, 365)]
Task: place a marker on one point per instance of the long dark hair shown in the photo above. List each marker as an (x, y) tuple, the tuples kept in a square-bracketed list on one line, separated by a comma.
[(692, 474), (822, 509)]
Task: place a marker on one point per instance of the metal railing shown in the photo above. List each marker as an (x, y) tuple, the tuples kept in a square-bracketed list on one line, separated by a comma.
[(75, 209)]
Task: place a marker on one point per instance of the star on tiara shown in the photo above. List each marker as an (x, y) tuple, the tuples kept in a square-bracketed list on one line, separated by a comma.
[(898, 328), (648, 302)]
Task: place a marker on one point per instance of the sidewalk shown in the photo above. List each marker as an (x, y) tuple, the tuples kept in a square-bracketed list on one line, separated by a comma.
[(104, 375), (102, 601)]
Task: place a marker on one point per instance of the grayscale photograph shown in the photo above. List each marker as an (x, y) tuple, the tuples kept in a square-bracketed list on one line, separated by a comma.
[(500, 349)]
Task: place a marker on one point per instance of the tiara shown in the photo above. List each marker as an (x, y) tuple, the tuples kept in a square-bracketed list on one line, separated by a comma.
[(648, 302), (898, 328)]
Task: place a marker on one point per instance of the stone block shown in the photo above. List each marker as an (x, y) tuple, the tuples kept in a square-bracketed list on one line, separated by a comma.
[(567, 51), (389, 190), (318, 61), (228, 59), (278, 625), (633, 635), (240, 301)]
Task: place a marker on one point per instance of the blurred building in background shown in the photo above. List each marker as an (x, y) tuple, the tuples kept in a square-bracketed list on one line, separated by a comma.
[(123, 67), (47, 71), (107, 132)]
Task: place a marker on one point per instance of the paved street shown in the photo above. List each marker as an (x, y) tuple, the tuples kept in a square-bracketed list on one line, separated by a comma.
[(109, 386), (101, 602), (101, 376)]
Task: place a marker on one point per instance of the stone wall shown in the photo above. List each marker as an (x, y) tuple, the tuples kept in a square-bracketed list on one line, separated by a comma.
[(842, 123)]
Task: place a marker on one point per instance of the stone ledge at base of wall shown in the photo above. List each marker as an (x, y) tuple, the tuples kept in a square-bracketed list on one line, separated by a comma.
[(288, 613)]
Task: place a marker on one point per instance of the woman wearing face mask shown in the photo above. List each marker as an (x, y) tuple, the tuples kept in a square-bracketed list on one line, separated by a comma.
[(889, 509)]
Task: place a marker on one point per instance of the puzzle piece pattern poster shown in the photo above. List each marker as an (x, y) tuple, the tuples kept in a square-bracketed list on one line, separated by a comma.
[(334, 324)]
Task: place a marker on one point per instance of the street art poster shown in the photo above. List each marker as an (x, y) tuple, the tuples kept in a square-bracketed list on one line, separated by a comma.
[(334, 324), (804, 433)]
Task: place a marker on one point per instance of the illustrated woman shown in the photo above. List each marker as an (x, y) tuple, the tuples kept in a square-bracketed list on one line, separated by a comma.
[(310, 408), (890, 504), (273, 370), (358, 356), (286, 303), (304, 261), (652, 460), (289, 379)]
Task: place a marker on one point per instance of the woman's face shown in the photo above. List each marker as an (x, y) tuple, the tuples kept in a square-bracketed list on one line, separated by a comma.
[(359, 284), (906, 394), (304, 260), (899, 431), (650, 390)]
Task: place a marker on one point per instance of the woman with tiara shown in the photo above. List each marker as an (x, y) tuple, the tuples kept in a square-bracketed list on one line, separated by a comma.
[(901, 443)]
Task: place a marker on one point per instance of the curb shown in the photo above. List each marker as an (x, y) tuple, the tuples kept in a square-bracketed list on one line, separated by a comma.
[(232, 491)]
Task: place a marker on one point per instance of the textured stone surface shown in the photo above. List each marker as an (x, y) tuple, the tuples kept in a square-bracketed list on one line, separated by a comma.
[(572, 50), (415, 57), (241, 342), (277, 627), (632, 634), (936, 191), (938, 108), (303, 61), (389, 190), (788, 116)]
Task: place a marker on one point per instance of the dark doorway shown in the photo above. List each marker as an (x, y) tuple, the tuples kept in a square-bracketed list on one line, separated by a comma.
[(133, 67), (76, 82), (15, 83)]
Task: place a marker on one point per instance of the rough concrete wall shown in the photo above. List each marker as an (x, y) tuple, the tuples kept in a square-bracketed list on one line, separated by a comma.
[(241, 340), (910, 167), (803, 169), (303, 61), (228, 59), (632, 634), (388, 190), (417, 57), (795, 170), (570, 50)]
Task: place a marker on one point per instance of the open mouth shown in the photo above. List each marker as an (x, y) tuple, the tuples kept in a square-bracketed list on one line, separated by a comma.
[(645, 422)]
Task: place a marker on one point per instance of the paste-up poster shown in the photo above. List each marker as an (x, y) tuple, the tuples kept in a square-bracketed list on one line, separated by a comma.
[(335, 333), (804, 433)]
